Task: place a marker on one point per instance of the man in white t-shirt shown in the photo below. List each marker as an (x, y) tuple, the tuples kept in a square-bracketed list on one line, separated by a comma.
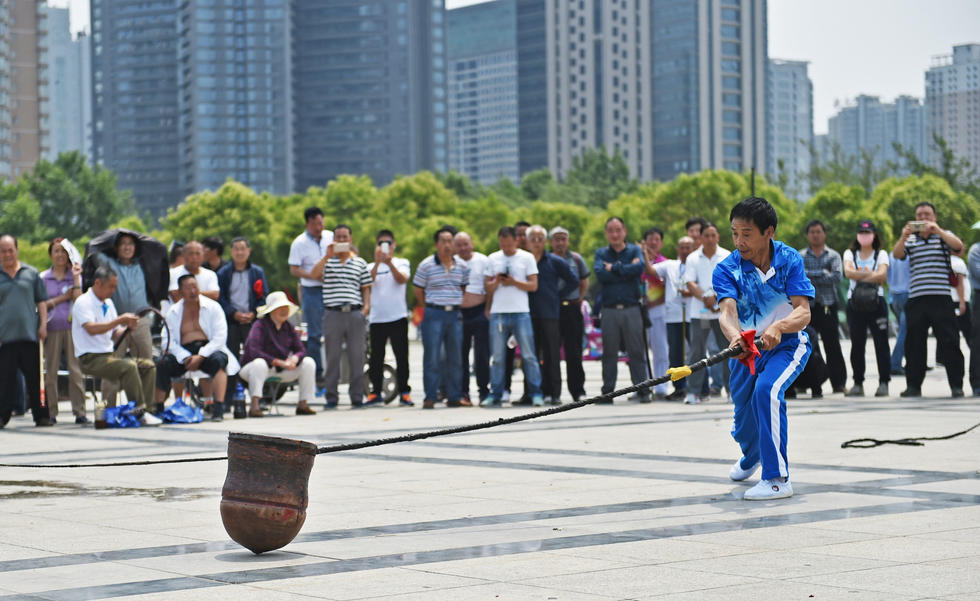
[(94, 325), (207, 280), (305, 252), (676, 294), (698, 270), (388, 320), (510, 275)]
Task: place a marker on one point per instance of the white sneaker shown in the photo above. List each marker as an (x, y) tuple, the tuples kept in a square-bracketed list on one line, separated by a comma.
[(505, 397), (149, 419), (767, 490), (738, 474), (692, 399)]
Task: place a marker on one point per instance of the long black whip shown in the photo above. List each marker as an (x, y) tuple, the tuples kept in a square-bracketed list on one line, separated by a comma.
[(674, 373)]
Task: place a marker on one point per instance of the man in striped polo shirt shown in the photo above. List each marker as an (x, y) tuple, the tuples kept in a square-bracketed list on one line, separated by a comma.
[(346, 304), (928, 247), (439, 282)]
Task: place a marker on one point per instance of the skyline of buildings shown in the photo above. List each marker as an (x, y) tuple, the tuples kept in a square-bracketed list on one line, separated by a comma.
[(282, 95)]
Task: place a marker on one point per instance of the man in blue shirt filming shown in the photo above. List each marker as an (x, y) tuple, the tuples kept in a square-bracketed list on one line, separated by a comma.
[(762, 286)]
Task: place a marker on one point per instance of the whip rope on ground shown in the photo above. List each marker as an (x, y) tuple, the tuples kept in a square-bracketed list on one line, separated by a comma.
[(672, 374)]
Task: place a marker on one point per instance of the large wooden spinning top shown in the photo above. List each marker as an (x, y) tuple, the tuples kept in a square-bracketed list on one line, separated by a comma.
[(266, 491)]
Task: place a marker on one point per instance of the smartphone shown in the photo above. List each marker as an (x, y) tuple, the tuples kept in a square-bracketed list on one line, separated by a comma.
[(341, 247), (386, 247), (917, 226)]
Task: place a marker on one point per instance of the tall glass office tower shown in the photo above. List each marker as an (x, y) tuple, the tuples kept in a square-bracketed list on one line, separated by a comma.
[(235, 95), (135, 100), (370, 88), (483, 91)]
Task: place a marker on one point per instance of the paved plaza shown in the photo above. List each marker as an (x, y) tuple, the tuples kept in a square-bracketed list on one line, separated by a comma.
[(613, 502)]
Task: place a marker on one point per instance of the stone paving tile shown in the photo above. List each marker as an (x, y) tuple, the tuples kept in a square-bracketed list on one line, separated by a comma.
[(617, 502)]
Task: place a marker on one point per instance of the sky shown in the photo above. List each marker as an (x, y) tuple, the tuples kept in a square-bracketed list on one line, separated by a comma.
[(876, 47)]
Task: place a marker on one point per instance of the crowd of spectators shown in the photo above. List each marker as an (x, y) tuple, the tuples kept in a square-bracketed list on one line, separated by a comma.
[(476, 314)]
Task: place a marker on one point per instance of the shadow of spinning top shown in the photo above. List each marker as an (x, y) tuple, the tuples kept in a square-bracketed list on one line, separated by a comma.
[(266, 491)]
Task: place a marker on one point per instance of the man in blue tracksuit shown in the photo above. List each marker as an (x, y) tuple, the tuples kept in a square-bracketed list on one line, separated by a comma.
[(763, 286)]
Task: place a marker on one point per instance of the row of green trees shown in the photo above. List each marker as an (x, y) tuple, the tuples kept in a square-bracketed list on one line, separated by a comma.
[(71, 199)]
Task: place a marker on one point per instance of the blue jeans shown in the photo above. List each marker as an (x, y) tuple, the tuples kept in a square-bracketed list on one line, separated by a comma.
[(502, 326), (898, 306), (442, 329), (313, 315)]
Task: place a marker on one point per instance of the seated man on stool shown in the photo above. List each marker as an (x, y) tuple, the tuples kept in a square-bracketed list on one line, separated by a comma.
[(198, 336), (273, 343), (94, 325)]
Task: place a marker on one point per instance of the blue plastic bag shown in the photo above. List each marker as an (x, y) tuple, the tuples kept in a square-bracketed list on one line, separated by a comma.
[(182, 413), (122, 416)]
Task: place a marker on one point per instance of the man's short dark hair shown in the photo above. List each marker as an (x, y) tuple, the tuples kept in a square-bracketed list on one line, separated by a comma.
[(614, 218), (184, 278), (385, 234), (507, 231), (926, 203), (176, 250), (757, 210), (311, 213), (12, 237), (695, 221), (342, 226), (653, 230), (815, 223), (241, 239), (446, 228), (521, 223), (215, 243), (103, 273), (708, 224)]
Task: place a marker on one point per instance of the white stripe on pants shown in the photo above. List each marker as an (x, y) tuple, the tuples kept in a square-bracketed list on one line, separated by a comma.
[(257, 371)]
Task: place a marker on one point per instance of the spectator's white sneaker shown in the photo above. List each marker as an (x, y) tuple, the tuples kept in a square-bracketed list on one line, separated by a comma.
[(738, 474), (692, 399), (767, 490), (148, 419)]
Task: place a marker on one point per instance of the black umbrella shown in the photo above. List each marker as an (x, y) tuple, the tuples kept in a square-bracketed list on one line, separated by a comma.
[(150, 252)]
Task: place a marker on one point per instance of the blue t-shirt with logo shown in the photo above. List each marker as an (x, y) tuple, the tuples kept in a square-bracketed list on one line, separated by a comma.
[(762, 298)]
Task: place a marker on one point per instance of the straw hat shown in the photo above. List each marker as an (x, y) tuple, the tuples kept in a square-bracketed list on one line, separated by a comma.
[(276, 300)]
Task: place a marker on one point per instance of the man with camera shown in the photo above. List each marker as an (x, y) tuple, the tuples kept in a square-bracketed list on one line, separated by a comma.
[(389, 318), (928, 248)]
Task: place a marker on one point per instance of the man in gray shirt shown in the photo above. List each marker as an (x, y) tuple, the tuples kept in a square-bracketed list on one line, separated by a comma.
[(823, 267), (23, 325)]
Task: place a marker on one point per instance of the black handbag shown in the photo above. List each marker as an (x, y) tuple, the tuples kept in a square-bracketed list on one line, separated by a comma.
[(864, 297)]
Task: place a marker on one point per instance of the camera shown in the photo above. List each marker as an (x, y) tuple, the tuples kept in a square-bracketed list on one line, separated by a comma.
[(386, 247), (341, 247), (918, 226)]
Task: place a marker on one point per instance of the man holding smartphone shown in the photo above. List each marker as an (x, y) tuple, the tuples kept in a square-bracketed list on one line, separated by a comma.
[(928, 248), (388, 318), (346, 305), (511, 274)]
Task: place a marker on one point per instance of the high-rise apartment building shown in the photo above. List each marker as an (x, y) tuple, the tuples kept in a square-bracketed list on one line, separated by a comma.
[(69, 87), (676, 85), (29, 110), (953, 102), (482, 59), (598, 88), (235, 95), (790, 122), (872, 126), (135, 98), (370, 88)]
